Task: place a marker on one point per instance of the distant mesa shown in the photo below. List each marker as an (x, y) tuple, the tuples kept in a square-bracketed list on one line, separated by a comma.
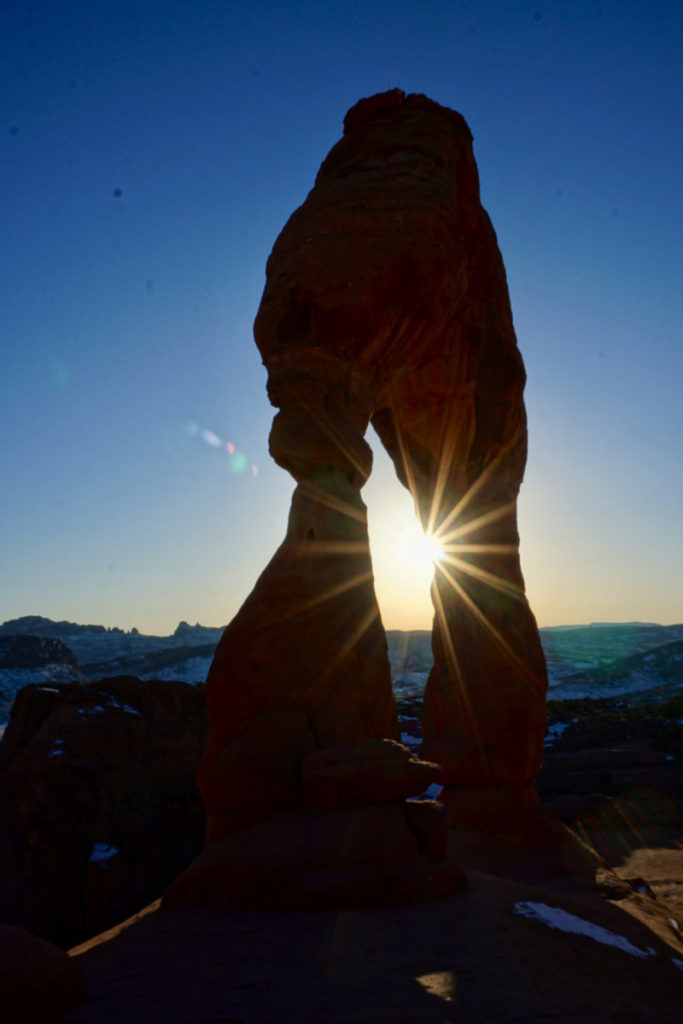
[(185, 629), (26, 651), (41, 626)]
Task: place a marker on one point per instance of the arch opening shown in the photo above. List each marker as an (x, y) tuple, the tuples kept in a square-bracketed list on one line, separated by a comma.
[(403, 568)]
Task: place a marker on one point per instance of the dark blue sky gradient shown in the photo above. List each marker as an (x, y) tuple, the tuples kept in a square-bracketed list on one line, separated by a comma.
[(150, 155)]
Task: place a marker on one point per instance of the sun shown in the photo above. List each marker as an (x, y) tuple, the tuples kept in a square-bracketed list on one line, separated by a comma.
[(414, 553), (425, 548), (404, 560)]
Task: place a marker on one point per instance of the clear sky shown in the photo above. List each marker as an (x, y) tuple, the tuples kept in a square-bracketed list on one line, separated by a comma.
[(150, 154)]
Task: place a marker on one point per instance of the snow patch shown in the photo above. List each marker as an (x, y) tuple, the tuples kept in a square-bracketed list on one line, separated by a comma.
[(556, 730), (556, 917), (432, 791), (410, 741), (634, 682), (112, 705), (102, 852), (677, 963), (193, 671), (130, 710)]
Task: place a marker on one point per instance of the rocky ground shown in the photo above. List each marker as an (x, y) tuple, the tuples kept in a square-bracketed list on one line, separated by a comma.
[(566, 947), (611, 775)]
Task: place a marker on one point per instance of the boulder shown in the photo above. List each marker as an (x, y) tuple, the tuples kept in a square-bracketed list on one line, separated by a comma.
[(107, 766), (349, 857), (39, 983), (377, 771)]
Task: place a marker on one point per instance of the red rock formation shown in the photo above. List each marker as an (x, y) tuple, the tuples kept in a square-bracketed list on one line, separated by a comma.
[(385, 300), (82, 767)]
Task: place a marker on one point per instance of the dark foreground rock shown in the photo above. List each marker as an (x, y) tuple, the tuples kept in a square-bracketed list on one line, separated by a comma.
[(614, 766), (39, 983), (472, 956), (98, 808)]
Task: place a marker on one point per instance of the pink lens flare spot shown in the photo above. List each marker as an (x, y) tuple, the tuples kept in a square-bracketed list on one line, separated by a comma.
[(254, 470), (230, 446)]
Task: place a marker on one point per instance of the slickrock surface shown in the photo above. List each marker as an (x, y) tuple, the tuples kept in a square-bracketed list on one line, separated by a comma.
[(469, 957)]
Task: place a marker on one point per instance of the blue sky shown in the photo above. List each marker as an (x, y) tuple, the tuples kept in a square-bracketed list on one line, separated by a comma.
[(150, 155)]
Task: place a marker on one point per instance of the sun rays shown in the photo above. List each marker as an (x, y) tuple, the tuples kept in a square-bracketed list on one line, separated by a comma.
[(428, 547), (470, 541), (462, 547)]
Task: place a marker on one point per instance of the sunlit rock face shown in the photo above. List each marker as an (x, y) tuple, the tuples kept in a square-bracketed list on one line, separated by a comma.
[(385, 301)]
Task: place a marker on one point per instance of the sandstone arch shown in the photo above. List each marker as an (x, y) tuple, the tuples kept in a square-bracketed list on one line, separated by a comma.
[(385, 300)]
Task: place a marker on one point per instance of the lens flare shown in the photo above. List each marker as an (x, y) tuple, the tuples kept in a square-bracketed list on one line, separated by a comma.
[(237, 460)]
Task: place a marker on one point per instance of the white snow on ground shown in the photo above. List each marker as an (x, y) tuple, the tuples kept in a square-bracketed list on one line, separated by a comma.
[(635, 682), (556, 917), (556, 730), (15, 678), (410, 741), (432, 791), (194, 670), (102, 852), (677, 963), (111, 705), (409, 684)]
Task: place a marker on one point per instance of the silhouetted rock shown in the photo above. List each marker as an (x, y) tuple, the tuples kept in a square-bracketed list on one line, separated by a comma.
[(385, 301), (41, 626), (98, 808), (377, 771), (26, 651)]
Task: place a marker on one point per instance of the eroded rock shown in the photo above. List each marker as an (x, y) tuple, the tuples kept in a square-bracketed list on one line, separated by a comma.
[(98, 807), (377, 771), (385, 301)]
